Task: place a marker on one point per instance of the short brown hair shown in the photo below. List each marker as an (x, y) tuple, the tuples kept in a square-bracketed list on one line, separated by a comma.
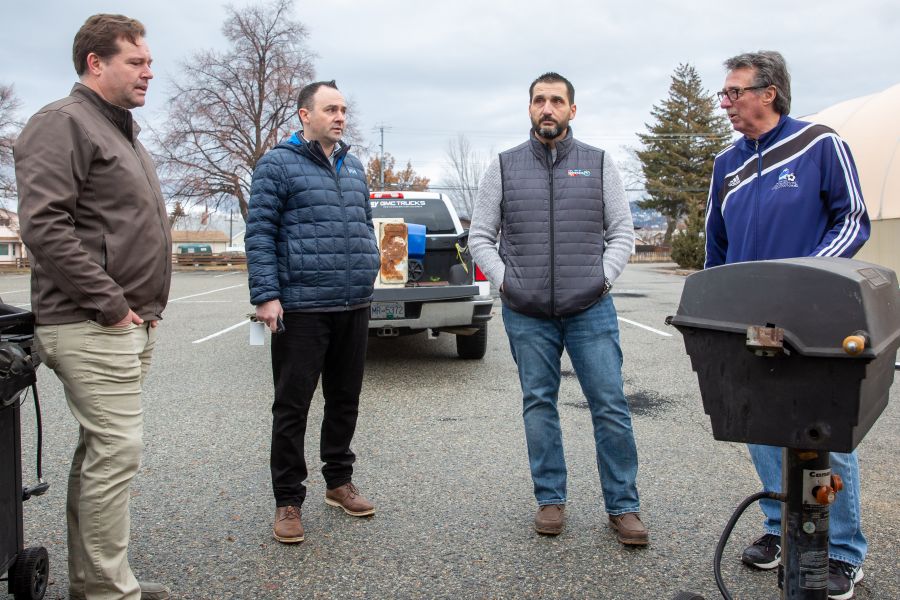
[(305, 97), (100, 34)]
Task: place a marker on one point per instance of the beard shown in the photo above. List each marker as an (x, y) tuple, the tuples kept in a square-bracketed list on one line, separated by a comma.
[(548, 132)]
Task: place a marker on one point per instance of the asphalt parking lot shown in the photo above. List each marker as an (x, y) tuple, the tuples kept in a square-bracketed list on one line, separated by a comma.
[(441, 452)]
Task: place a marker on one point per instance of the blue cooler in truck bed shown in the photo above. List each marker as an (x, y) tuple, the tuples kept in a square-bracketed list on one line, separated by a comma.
[(415, 240)]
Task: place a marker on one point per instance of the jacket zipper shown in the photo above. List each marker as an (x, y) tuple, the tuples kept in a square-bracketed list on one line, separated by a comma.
[(758, 195), (552, 237), (337, 180), (162, 223)]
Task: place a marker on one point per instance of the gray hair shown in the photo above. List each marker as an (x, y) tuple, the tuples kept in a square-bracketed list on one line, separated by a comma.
[(771, 69)]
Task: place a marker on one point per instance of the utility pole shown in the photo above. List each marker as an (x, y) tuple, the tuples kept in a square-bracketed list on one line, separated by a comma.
[(381, 160), (381, 128)]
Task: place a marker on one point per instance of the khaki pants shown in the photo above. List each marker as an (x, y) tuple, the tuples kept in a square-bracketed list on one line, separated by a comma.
[(101, 369)]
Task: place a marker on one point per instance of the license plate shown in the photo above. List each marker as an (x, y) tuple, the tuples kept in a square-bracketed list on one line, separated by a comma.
[(388, 310)]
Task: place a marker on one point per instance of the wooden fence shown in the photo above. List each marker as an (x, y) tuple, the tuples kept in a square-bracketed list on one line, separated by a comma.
[(652, 256), (15, 264), (209, 260)]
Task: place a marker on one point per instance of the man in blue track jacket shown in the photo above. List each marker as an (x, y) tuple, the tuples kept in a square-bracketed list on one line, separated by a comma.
[(787, 188)]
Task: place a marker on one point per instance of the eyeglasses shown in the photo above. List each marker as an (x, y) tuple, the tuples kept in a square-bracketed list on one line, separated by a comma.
[(736, 92)]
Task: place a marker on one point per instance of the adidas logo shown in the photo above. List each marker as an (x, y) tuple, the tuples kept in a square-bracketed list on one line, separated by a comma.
[(736, 180)]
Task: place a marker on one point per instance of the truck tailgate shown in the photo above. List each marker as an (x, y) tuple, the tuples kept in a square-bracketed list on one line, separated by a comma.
[(425, 293)]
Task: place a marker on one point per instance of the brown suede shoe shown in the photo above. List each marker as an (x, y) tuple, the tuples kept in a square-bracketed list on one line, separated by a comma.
[(550, 519), (629, 529), (288, 527), (348, 497)]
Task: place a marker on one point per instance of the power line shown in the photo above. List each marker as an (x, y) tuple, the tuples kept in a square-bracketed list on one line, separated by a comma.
[(498, 134)]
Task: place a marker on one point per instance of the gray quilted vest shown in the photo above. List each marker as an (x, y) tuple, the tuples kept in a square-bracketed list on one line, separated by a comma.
[(552, 228)]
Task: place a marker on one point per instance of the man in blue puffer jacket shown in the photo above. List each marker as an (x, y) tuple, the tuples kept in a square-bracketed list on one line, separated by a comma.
[(787, 188), (312, 261)]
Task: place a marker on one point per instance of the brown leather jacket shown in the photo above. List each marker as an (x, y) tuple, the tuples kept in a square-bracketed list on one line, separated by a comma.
[(91, 213)]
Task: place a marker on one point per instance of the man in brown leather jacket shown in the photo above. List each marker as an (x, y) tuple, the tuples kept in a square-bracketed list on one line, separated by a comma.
[(94, 221)]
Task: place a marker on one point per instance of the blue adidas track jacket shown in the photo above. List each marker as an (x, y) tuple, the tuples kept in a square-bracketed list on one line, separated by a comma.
[(792, 193)]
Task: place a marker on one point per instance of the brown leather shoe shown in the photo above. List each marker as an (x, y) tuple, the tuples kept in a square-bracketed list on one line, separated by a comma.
[(550, 519), (629, 529), (288, 527), (348, 497)]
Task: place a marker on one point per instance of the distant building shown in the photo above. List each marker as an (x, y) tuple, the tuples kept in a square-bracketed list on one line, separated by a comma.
[(218, 240), (11, 246)]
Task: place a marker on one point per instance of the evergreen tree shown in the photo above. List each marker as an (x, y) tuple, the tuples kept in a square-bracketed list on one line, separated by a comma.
[(176, 214), (678, 152), (689, 248)]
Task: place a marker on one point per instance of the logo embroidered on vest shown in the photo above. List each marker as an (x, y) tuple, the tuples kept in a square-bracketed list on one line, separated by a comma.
[(786, 179), (579, 173), (736, 180)]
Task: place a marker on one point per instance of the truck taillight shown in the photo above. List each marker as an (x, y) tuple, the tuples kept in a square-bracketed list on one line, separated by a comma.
[(479, 274), (381, 195)]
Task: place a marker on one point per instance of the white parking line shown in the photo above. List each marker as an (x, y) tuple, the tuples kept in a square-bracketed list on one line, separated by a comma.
[(218, 333), (642, 326), (15, 291), (227, 274), (209, 292)]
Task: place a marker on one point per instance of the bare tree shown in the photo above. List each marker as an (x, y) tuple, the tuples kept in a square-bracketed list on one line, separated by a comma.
[(466, 170), (230, 107), (9, 130)]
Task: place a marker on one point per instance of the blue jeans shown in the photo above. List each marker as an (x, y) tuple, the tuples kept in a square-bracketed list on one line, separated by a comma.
[(846, 541), (592, 340)]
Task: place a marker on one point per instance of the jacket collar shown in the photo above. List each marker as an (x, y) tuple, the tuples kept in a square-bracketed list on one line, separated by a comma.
[(766, 139), (562, 146), (314, 149), (120, 117)]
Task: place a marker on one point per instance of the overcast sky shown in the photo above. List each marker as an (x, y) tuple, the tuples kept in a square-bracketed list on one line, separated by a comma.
[(429, 71)]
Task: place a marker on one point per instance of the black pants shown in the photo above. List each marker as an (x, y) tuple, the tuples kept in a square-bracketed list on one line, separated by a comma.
[(333, 345)]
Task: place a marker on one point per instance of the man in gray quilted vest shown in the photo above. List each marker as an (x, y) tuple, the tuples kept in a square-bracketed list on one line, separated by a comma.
[(559, 210)]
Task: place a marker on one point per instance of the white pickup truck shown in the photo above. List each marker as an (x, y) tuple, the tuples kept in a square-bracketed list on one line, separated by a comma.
[(446, 292)]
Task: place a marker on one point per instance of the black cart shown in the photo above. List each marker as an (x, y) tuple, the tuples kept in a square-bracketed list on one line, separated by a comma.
[(799, 354), (27, 569)]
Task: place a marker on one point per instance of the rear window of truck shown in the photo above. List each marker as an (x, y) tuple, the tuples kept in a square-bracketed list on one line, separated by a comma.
[(431, 213)]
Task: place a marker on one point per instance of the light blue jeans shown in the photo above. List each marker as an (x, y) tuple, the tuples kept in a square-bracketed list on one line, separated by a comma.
[(846, 541), (592, 340)]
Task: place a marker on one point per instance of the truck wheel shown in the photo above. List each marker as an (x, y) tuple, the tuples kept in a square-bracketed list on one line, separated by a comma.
[(472, 346), (31, 572)]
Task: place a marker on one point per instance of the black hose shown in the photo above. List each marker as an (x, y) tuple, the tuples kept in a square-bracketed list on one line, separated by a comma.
[(40, 431), (723, 539)]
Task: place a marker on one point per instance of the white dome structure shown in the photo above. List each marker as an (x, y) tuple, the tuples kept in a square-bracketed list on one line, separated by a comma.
[(871, 126)]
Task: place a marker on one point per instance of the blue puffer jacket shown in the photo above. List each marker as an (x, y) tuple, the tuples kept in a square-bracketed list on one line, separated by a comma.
[(310, 241)]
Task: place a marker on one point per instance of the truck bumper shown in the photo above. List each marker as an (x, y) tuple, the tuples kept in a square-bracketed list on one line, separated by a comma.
[(435, 315)]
